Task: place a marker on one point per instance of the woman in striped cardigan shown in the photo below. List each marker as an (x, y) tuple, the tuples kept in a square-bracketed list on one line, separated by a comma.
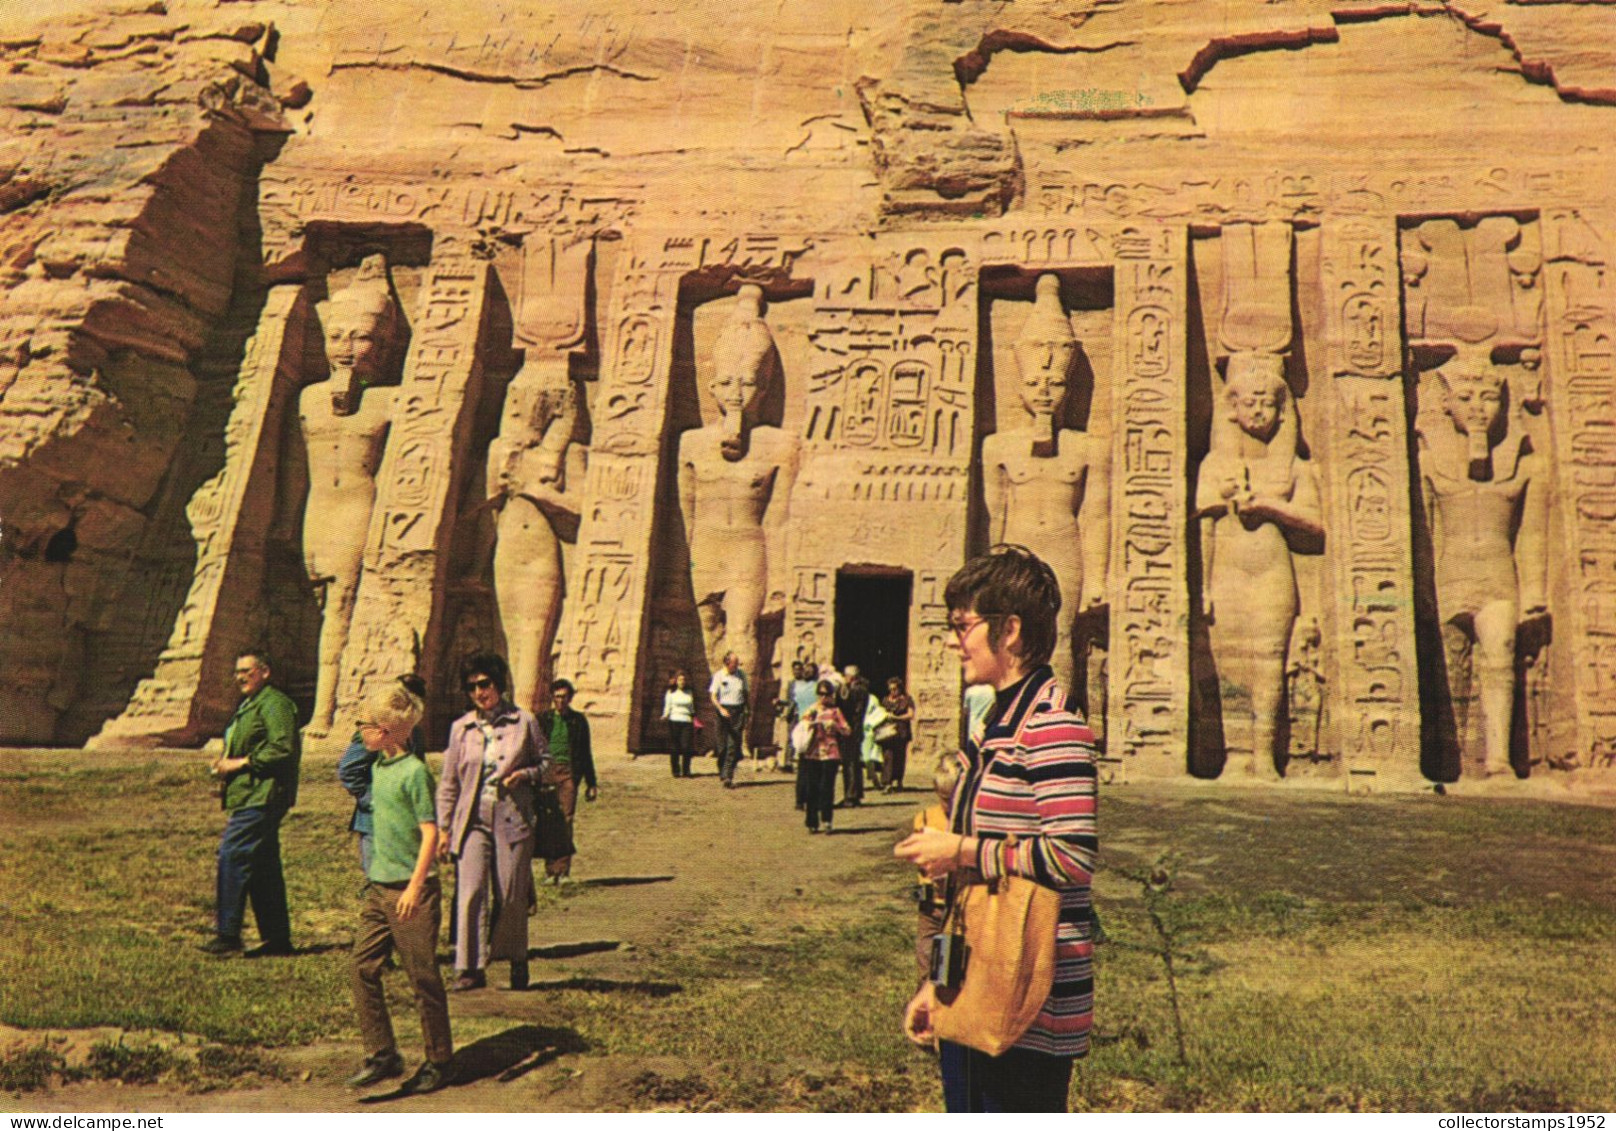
[(1025, 805)]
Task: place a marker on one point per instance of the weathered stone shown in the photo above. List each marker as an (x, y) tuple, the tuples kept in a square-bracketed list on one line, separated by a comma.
[(997, 271)]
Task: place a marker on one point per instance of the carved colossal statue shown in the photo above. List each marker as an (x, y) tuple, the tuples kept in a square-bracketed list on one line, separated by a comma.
[(1257, 500), (345, 420), (1048, 487), (735, 481), (1484, 492), (535, 472)]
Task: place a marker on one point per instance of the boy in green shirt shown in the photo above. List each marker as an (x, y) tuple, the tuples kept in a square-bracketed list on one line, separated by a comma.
[(402, 902)]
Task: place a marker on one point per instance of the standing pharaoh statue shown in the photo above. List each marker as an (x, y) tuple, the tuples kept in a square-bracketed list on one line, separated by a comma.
[(344, 421), (1046, 487), (735, 481), (531, 468), (1488, 509), (1257, 499)]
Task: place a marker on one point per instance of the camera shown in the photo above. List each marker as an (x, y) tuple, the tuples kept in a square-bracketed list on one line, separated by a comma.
[(927, 898), (949, 954)]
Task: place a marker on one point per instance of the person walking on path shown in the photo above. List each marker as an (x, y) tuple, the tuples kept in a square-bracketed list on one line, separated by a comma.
[(1024, 806), (354, 769), (828, 726), (259, 771), (567, 732), (679, 711), (495, 760), (804, 694), (900, 709), (402, 903), (730, 696), (854, 700)]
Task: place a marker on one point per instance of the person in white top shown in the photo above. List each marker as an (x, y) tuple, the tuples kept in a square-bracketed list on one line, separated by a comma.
[(679, 709), (730, 698)]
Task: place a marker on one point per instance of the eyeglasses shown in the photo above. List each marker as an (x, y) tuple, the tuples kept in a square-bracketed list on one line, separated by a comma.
[(481, 683), (367, 724), (962, 628)]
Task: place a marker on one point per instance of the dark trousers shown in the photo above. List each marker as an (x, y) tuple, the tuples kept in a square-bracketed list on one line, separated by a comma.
[(802, 782), (250, 868), (567, 794), (415, 940), (819, 780), (730, 731), (894, 760), (684, 747), (852, 773), (1017, 1080)]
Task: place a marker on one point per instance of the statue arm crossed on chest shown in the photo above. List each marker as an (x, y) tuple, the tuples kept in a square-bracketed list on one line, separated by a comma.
[(1258, 502), (535, 468), (735, 480), (345, 420)]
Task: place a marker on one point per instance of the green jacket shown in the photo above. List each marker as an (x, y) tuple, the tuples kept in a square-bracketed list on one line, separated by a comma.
[(264, 731)]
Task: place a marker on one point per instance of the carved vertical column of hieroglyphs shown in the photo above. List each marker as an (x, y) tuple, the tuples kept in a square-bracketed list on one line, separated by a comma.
[(1582, 401), (400, 590), (604, 616), (1368, 499), (190, 694), (1149, 693)]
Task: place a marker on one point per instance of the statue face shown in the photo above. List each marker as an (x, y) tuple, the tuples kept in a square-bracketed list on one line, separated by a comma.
[(737, 383), (1255, 405), (1475, 403), (356, 347), (1044, 362)]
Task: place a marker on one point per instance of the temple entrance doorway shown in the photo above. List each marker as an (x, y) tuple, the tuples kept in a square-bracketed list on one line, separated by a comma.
[(872, 623)]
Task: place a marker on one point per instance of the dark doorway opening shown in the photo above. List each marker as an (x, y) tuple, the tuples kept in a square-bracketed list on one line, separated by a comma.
[(872, 625)]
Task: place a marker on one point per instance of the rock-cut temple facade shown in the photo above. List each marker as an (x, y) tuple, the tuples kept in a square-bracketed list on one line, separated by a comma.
[(617, 338)]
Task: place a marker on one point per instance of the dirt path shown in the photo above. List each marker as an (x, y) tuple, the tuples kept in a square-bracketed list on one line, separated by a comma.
[(665, 865)]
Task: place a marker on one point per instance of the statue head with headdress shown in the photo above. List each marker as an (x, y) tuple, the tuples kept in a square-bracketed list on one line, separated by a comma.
[(742, 362), (1044, 353), (361, 323)]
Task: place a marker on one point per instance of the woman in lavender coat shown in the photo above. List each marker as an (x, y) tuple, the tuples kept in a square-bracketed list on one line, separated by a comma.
[(495, 760)]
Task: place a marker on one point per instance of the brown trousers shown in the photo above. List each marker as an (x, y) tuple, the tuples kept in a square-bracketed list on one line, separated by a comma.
[(416, 942), (567, 794)]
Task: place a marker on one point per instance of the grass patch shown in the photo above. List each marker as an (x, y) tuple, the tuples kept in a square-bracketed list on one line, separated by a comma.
[(1408, 954)]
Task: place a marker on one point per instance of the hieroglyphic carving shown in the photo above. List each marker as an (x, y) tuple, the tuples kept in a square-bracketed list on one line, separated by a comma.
[(1368, 502), (396, 615), (1150, 669), (1581, 331), (189, 695), (602, 624), (934, 679), (893, 364)]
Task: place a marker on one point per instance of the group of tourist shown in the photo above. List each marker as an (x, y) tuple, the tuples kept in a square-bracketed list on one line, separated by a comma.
[(483, 815), (1019, 801)]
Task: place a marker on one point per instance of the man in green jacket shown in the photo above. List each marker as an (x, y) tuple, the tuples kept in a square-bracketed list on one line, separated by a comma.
[(259, 768)]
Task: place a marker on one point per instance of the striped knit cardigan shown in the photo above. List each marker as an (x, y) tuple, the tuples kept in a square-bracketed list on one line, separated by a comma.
[(1032, 775)]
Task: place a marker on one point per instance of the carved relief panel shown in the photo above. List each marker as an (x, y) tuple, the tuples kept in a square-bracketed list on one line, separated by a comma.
[(1149, 668)]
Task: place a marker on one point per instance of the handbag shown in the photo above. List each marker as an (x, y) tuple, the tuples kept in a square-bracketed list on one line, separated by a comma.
[(1009, 930), (888, 731), (552, 832), (1008, 926), (802, 737)]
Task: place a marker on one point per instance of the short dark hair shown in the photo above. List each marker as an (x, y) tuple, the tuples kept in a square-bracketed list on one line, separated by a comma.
[(490, 664), (826, 687), (565, 685), (1010, 581), (258, 654)]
